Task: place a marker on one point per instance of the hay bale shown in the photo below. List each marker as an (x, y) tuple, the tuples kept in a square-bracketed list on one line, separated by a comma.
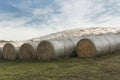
[(57, 48), (98, 45), (10, 51), (28, 51)]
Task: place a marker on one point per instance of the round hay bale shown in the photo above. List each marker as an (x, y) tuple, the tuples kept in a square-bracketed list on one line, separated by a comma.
[(86, 48), (97, 45), (10, 51), (45, 50), (28, 51), (56, 48)]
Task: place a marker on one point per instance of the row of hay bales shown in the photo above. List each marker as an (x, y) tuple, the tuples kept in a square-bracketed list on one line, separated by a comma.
[(46, 49), (88, 46)]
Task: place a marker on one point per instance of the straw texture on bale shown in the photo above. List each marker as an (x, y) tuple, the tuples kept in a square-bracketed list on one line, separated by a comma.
[(57, 48), (98, 45), (28, 51), (10, 51)]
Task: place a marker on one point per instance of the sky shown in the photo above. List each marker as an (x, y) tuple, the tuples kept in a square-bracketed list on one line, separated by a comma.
[(25, 19)]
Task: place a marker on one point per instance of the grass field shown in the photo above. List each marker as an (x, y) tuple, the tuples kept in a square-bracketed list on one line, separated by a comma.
[(103, 68)]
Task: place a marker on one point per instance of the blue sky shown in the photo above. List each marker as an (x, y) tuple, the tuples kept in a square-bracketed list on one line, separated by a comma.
[(25, 19)]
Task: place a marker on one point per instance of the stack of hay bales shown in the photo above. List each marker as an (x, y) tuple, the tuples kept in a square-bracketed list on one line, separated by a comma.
[(98, 45), (28, 50), (84, 46), (57, 48)]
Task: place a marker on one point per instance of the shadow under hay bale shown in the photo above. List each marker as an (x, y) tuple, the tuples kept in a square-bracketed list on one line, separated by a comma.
[(10, 51), (28, 51), (1, 53), (57, 48), (98, 45)]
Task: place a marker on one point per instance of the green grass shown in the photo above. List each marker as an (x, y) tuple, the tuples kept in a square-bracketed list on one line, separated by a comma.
[(103, 68)]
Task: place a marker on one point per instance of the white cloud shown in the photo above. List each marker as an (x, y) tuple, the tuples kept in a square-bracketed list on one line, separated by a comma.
[(73, 14), (12, 28), (23, 5), (13, 33), (21, 32), (87, 13), (103, 11), (39, 11)]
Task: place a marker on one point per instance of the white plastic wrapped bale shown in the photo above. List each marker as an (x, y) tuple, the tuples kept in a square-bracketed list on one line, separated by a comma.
[(57, 48), (98, 45)]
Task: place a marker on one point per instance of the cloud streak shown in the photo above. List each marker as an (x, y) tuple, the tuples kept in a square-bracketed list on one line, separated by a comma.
[(40, 17), (102, 11)]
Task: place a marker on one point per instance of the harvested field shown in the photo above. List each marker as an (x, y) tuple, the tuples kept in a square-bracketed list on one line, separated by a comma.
[(103, 68)]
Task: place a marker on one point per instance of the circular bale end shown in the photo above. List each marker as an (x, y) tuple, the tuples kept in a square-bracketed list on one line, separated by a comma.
[(9, 52), (45, 50), (86, 48), (27, 52)]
